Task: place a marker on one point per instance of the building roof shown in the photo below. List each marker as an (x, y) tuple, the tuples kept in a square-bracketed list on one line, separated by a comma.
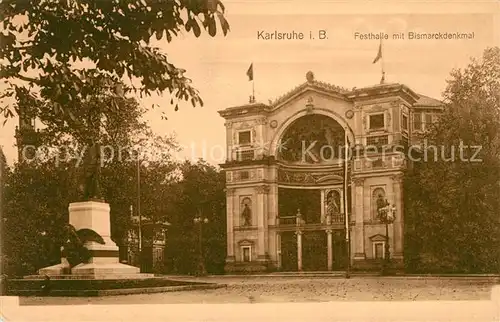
[(352, 94), (310, 83), (428, 101)]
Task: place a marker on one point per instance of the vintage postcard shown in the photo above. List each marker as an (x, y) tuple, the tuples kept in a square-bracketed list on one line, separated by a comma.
[(241, 160)]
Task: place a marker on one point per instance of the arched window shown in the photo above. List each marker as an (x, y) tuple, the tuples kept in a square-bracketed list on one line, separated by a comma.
[(246, 211), (378, 197)]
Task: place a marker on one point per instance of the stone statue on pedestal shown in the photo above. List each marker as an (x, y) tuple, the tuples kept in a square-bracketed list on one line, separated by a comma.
[(92, 189), (298, 218)]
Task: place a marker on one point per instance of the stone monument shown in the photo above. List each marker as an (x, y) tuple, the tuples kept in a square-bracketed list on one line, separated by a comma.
[(104, 262), (94, 214)]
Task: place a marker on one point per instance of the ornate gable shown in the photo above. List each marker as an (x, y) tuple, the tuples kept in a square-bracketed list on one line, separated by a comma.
[(246, 242), (377, 238), (310, 84)]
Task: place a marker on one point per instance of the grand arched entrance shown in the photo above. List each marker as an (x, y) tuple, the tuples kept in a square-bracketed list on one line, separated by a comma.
[(311, 194)]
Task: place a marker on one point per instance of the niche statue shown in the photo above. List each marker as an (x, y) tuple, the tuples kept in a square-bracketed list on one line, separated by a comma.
[(382, 206), (247, 215), (333, 203)]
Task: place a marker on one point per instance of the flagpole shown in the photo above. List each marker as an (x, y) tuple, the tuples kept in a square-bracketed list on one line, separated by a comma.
[(253, 88), (346, 208), (250, 75), (382, 80)]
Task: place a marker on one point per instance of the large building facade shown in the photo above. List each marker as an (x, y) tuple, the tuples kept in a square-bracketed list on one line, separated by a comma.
[(289, 185)]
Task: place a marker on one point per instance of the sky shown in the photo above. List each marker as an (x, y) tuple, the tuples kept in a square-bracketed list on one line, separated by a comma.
[(217, 66)]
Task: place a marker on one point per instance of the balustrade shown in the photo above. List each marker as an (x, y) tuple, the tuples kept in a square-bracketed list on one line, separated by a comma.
[(292, 221)]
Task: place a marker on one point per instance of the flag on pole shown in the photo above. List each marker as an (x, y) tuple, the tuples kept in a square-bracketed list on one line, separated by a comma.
[(250, 72), (379, 54)]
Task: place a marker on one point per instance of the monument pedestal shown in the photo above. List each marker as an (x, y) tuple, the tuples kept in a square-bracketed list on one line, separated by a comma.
[(58, 269), (104, 262)]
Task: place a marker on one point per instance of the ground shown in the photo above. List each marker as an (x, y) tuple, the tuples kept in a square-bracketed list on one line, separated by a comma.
[(297, 289)]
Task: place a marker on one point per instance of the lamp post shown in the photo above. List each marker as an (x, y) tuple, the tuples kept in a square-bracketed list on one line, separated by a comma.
[(199, 220), (387, 215), (139, 210)]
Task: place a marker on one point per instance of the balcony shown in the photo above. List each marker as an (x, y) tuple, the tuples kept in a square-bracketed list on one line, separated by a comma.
[(378, 140), (292, 223)]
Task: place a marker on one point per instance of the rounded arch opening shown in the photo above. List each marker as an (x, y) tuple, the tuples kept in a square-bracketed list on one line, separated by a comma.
[(311, 139)]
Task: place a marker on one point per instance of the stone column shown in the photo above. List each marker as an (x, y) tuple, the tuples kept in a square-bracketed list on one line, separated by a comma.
[(262, 192), (398, 220), (278, 250), (322, 210), (299, 250), (230, 224), (329, 240), (359, 210)]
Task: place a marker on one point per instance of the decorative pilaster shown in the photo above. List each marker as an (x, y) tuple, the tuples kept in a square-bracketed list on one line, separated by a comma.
[(329, 241), (397, 181), (272, 214), (229, 140), (262, 234), (264, 189), (299, 250), (359, 206), (272, 198), (366, 202), (230, 223), (357, 124), (260, 125)]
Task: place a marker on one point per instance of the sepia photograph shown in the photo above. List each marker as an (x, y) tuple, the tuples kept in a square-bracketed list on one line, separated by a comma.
[(230, 160)]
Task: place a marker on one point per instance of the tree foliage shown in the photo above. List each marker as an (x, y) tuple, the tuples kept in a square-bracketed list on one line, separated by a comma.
[(61, 51), (38, 191), (36, 208), (200, 192), (452, 206), (74, 65), (38, 194)]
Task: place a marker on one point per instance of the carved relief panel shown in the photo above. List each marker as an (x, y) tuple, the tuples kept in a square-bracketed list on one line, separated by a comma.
[(308, 178), (244, 175)]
